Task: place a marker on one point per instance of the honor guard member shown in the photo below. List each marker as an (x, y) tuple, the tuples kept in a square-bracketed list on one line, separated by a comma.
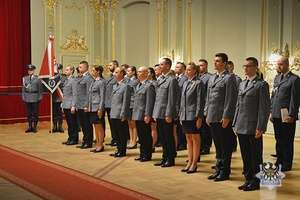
[(32, 94), (56, 103)]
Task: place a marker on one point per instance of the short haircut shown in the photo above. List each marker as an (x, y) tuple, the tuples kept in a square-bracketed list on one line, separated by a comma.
[(254, 60), (168, 61), (85, 63), (184, 66), (115, 62), (121, 70), (72, 68), (125, 66), (203, 60), (223, 56)]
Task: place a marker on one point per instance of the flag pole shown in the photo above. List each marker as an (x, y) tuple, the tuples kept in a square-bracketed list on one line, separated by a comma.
[(51, 114)]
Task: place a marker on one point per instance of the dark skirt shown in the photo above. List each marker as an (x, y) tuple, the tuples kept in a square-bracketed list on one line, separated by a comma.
[(94, 119), (130, 114), (190, 127)]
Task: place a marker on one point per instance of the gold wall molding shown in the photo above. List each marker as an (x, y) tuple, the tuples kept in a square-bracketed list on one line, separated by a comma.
[(74, 5), (50, 6), (74, 43)]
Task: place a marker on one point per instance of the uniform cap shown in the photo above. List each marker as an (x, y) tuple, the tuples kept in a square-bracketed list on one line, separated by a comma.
[(59, 66), (31, 67)]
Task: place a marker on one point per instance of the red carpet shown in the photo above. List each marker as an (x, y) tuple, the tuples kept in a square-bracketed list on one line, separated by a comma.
[(51, 181)]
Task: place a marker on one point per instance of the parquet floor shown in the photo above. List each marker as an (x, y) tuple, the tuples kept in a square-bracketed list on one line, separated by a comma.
[(162, 183)]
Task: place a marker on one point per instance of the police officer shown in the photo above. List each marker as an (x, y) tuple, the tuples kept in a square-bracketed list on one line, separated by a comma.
[(32, 94), (56, 102)]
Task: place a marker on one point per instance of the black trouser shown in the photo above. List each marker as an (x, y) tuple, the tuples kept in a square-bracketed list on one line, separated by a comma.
[(180, 135), (87, 127), (112, 132), (251, 151), (167, 139), (145, 138), (284, 135), (233, 137), (120, 134), (72, 125), (206, 138), (57, 112), (32, 107), (222, 140)]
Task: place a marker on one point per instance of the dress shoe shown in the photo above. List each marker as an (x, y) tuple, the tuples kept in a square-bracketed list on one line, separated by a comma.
[(79, 146), (109, 143), (95, 141), (252, 186), (65, 142), (213, 167), (192, 171), (114, 144), (34, 130), (28, 130), (160, 163), (204, 152), (168, 164), (244, 185), (181, 148), (120, 155), (221, 178), (98, 151), (285, 168), (113, 154), (137, 158), (213, 176), (145, 159), (185, 170), (133, 147), (274, 155), (71, 143), (86, 146), (157, 144)]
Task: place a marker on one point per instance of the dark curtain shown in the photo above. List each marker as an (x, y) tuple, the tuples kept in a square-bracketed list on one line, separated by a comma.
[(15, 48)]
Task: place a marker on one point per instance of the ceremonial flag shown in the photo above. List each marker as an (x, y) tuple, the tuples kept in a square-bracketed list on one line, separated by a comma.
[(47, 68)]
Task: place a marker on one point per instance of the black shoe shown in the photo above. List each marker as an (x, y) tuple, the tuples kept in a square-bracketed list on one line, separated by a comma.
[(252, 186), (158, 144), (274, 155), (113, 144), (34, 130), (86, 146), (213, 167), (213, 176), (168, 164), (192, 171), (160, 163), (145, 159), (181, 148), (204, 152), (71, 143), (244, 185), (79, 146), (185, 170), (109, 143), (137, 158), (28, 130), (221, 178), (95, 141), (98, 151), (65, 142), (234, 150), (286, 168), (153, 149), (120, 155), (113, 154)]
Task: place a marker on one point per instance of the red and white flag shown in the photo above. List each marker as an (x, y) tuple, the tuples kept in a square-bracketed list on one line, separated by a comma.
[(47, 68)]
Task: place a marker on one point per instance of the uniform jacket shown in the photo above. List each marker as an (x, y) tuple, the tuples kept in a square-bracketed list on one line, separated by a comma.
[(83, 86), (286, 94), (221, 97), (32, 90), (120, 101), (69, 89), (167, 92), (144, 99), (110, 82), (97, 94), (181, 80), (192, 100), (133, 82), (252, 108)]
